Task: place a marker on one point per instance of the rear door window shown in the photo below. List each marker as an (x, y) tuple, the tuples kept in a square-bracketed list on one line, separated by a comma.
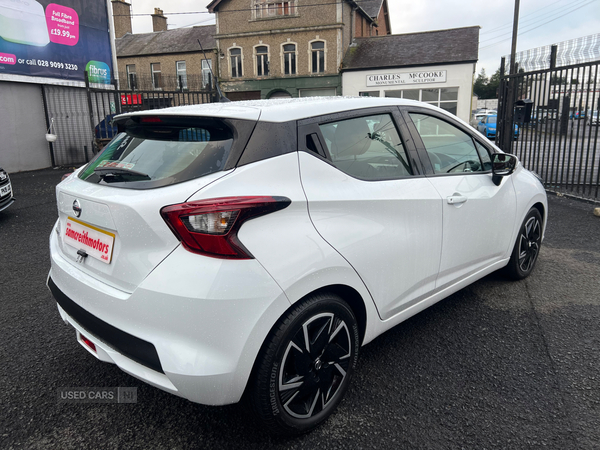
[(161, 152)]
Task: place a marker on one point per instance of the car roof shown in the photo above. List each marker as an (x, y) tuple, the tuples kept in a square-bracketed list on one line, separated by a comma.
[(278, 110)]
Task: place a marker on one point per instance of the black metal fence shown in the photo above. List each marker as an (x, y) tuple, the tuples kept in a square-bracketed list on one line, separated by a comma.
[(81, 117), (188, 82), (558, 136)]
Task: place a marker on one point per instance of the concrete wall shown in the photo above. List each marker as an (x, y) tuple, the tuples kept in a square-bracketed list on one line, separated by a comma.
[(457, 75), (23, 143)]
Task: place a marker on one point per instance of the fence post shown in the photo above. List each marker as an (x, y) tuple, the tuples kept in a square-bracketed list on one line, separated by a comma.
[(48, 123), (90, 110)]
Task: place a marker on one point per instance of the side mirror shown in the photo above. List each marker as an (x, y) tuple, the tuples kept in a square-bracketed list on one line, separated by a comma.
[(503, 165)]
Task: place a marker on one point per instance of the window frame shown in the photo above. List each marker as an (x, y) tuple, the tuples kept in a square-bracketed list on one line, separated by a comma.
[(184, 76), (310, 126), (239, 65), (283, 55), (263, 64), (422, 150), (153, 72), (206, 72), (310, 56), (261, 9), (129, 72)]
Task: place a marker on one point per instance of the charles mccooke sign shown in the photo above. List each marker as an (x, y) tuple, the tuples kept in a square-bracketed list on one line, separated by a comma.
[(388, 79)]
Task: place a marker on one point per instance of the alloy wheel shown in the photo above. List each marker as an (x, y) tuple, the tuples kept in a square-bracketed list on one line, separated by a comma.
[(314, 365), (529, 244)]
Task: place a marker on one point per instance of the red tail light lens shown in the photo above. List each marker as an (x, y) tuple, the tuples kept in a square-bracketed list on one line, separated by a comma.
[(210, 227)]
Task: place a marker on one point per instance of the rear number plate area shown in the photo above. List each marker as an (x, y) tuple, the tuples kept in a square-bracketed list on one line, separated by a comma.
[(5, 190), (94, 241)]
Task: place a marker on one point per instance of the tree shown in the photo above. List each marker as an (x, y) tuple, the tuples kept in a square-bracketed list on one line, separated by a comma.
[(486, 87), (479, 88)]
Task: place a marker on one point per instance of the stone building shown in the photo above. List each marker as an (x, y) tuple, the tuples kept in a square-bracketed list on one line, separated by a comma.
[(168, 60), (291, 48)]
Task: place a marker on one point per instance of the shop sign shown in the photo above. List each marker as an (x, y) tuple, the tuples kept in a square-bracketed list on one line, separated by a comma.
[(421, 77)]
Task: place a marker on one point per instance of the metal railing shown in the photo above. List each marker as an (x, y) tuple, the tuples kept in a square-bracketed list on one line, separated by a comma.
[(560, 139)]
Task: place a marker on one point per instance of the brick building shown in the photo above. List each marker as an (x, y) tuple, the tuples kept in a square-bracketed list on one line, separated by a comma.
[(289, 48), (168, 60)]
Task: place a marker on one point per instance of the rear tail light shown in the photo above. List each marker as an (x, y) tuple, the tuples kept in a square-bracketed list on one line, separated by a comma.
[(210, 227)]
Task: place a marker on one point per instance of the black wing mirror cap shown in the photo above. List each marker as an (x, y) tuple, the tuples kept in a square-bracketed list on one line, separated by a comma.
[(503, 165)]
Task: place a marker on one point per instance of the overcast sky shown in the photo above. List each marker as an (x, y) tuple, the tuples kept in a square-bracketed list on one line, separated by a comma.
[(541, 22)]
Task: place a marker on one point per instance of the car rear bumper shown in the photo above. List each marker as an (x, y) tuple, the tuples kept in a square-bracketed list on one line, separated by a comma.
[(186, 329), (5, 203)]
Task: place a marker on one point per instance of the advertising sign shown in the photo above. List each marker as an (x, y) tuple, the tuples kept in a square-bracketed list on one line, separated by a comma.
[(421, 77), (55, 40)]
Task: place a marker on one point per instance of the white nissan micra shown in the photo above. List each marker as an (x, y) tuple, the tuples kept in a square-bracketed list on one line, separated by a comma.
[(250, 249)]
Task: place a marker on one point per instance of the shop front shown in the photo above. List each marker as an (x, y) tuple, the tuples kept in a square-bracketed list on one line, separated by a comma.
[(415, 67)]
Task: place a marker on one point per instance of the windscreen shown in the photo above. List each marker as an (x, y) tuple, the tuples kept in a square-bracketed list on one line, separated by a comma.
[(155, 151)]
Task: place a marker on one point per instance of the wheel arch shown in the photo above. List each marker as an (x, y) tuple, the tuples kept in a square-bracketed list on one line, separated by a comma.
[(542, 210), (347, 293)]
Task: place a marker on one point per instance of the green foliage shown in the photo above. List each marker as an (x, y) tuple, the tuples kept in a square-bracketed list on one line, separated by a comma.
[(485, 87)]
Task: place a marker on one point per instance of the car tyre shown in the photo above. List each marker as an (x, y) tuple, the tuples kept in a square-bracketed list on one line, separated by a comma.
[(527, 247), (305, 365)]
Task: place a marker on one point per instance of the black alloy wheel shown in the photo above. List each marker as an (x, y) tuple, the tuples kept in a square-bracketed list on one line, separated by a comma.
[(527, 246), (305, 366)]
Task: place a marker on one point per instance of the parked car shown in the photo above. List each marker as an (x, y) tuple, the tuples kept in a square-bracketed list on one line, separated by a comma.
[(480, 114), (6, 193), (593, 118), (253, 247), (577, 115), (487, 127), (106, 128), (104, 132)]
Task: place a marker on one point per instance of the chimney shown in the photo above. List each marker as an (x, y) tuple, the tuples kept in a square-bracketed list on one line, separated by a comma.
[(122, 17), (159, 22)]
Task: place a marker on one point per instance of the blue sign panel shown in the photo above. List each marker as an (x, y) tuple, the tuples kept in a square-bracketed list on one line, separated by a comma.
[(55, 40)]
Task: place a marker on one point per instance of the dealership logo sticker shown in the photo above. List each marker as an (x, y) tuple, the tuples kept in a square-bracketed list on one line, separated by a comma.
[(91, 240), (98, 72)]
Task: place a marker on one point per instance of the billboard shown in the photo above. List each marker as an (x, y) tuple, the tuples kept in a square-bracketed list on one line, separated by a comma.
[(55, 40)]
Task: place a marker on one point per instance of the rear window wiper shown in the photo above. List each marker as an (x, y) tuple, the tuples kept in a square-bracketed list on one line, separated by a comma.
[(111, 173)]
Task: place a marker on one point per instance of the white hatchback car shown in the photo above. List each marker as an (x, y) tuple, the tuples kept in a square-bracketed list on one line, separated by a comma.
[(252, 248)]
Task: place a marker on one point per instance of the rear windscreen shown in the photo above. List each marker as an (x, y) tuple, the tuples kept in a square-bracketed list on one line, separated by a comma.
[(153, 152)]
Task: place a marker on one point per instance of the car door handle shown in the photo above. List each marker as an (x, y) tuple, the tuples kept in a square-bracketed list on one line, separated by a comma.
[(456, 199)]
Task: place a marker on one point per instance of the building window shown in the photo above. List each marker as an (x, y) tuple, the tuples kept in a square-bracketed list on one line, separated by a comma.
[(273, 8), (131, 81), (445, 98), (181, 75), (369, 94), (156, 81), (262, 60), (235, 57), (289, 59), (207, 74), (317, 59)]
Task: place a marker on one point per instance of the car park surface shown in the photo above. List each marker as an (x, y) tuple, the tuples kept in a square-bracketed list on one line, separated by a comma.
[(250, 249), (496, 365)]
